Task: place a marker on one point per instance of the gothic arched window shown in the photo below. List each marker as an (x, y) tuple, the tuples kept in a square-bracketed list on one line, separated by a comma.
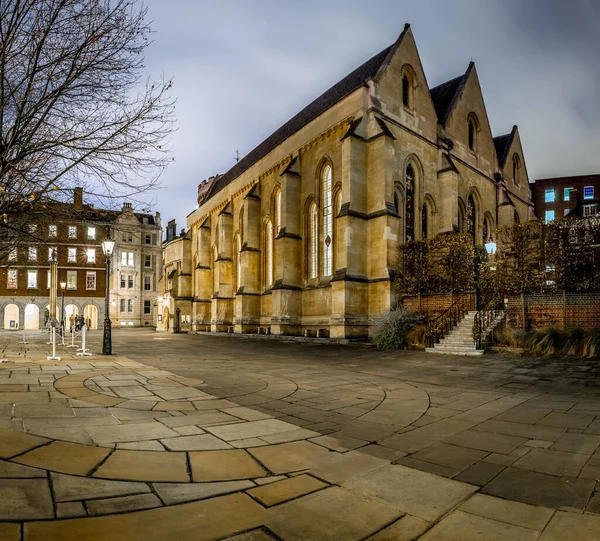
[(406, 84), (327, 207), (471, 217), (313, 236), (472, 129), (238, 261), (277, 210), (424, 222), (268, 253), (486, 230), (516, 163), (409, 180)]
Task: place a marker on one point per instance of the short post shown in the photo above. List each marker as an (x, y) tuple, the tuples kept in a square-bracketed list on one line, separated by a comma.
[(72, 345), (24, 341), (83, 352), (53, 357)]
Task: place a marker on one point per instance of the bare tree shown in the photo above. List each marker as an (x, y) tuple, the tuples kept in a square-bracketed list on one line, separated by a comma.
[(74, 110)]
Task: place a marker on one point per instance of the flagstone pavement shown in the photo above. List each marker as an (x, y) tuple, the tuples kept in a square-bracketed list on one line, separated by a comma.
[(207, 438)]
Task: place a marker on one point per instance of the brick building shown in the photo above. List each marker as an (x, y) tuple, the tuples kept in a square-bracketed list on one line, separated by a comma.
[(75, 231), (558, 197)]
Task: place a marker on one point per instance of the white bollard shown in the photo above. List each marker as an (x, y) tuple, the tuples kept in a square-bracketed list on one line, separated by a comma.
[(53, 357), (24, 341), (72, 344), (83, 351)]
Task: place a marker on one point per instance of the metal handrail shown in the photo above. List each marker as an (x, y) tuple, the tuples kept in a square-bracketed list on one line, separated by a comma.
[(484, 319), (447, 320)]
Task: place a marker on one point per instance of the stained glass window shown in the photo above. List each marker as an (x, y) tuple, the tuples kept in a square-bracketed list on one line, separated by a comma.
[(313, 234), (269, 252), (471, 217), (410, 203), (424, 222), (327, 221)]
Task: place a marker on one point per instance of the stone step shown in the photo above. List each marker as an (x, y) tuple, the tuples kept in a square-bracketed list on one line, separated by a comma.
[(469, 353), (454, 346)]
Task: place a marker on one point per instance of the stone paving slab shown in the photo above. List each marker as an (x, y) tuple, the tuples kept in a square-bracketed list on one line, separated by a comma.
[(65, 457), (224, 466), (10, 532), (122, 504), (305, 518), (423, 495), (24, 499), (172, 493), (144, 466), (288, 489), (571, 526), (73, 488), (407, 528), (453, 528), (198, 521), (13, 442)]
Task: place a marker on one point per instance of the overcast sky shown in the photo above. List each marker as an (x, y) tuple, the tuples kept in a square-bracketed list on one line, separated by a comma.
[(241, 68)]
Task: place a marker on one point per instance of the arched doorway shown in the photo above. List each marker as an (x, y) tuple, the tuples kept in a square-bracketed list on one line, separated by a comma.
[(166, 319), (90, 313), (11, 316), (70, 310), (32, 317)]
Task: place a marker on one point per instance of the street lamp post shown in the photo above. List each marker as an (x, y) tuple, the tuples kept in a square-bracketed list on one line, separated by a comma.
[(107, 247), (63, 286)]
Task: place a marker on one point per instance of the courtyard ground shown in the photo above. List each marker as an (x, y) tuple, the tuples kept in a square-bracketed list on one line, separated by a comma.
[(214, 437)]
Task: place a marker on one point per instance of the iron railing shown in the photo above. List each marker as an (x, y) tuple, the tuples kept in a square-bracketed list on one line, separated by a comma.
[(440, 326), (485, 318)]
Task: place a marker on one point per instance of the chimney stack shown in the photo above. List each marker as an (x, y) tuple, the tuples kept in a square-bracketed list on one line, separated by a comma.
[(78, 198)]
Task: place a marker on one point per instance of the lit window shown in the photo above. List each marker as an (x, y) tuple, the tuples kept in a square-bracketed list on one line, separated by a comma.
[(127, 259), (90, 280), (277, 212), (11, 282), (313, 241), (239, 262), (71, 279), (91, 255), (148, 261), (122, 305), (147, 283), (269, 252), (130, 305), (327, 221), (567, 194), (52, 231), (549, 215), (32, 228), (549, 196), (72, 256), (147, 307), (12, 255), (72, 231), (32, 253), (91, 232), (32, 279), (588, 192)]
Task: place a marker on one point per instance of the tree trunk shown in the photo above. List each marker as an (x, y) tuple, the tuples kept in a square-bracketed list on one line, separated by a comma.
[(523, 310)]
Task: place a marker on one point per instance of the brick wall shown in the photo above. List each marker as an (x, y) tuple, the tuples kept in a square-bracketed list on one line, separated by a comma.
[(432, 305), (568, 310)]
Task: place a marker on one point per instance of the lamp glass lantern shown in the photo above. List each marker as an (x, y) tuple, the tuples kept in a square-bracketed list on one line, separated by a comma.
[(108, 246)]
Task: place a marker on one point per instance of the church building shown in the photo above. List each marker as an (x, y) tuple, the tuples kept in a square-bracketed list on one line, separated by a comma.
[(299, 237)]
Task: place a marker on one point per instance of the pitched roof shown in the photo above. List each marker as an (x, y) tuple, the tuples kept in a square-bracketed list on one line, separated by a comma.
[(446, 95), (328, 99), (503, 144)]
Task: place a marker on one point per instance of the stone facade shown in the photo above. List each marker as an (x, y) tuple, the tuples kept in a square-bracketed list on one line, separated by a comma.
[(300, 236), (136, 268)]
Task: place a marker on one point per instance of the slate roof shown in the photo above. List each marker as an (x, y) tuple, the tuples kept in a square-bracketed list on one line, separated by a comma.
[(446, 95), (328, 99), (503, 144)]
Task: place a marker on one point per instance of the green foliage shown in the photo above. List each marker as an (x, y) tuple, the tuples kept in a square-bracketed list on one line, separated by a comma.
[(591, 344), (444, 263), (391, 328)]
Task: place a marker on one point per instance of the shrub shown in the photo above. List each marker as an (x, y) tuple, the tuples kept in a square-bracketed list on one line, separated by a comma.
[(591, 345), (546, 342), (573, 344), (391, 328), (416, 336)]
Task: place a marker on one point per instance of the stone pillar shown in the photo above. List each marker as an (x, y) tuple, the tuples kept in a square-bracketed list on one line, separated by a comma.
[(286, 299), (247, 297), (447, 202), (222, 300), (202, 278), (349, 285)]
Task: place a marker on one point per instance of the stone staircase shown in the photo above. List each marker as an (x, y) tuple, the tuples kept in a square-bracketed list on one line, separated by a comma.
[(459, 341)]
